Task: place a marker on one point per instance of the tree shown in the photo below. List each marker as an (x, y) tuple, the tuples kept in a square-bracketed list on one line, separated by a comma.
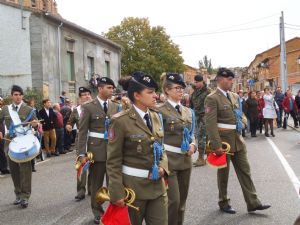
[(206, 64), (145, 48)]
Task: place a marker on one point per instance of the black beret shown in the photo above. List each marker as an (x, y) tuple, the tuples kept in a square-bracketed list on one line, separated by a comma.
[(145, 80), (16, 88), (106, 80), (175, 78), (83, 90), (224, 72), (198, 77)]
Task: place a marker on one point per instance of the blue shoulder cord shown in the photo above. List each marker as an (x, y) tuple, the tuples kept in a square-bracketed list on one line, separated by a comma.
[(188, 134), (12, 126), (238, 116), (157, 154), (107, 122)]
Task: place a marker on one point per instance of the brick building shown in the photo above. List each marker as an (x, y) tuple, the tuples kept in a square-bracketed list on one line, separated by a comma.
[(265, 68), (41, 50)]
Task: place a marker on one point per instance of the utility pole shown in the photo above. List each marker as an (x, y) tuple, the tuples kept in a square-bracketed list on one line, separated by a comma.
[(283, 66)]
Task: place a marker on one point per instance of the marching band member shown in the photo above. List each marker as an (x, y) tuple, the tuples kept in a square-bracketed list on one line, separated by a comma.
[(84, 96), (224, 122), (179, 143), (93, 133), (135, 156), (20, 172)]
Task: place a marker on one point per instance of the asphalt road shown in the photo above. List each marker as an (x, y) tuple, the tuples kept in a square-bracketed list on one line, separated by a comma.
[(54, 187)]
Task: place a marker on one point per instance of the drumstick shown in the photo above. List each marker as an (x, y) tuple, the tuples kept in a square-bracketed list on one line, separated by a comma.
[(24, 123), (6, 139)]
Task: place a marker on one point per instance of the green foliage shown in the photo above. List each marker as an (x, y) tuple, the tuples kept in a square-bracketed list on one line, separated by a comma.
[(36, 95), (206, 64), (145, 48)]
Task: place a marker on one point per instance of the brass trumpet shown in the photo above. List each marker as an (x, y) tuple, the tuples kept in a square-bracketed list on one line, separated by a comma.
[(102, 195), (89, 157), (225, 148)]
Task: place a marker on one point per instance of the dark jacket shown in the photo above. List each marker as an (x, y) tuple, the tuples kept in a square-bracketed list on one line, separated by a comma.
[(297, 100), (48, 121), (251, 109), (279, 99)]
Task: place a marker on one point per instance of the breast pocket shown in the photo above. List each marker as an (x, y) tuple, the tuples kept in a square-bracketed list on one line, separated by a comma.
[(139, 143)]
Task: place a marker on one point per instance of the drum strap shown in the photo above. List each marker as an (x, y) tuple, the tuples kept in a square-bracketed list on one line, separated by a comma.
[(79, 110), (15, 119)]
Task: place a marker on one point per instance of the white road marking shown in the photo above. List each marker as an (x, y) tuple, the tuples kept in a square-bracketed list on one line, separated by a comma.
[(42, 161), (288, 169)]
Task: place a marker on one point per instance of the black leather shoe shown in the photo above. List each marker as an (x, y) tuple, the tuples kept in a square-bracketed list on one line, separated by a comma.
[(267, 135), (55, 154), (79, 198), (24, 203), (97, 219), (228, 209), (17, 201), (260, 207), (273, 135), (5, 171)]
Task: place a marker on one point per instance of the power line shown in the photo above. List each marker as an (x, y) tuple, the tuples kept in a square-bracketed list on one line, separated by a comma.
[(224, 31), (292, 28), (293, 25)]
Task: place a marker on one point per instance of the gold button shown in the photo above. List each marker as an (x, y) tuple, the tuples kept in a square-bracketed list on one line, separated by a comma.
[(92, 143), (140, 141), (97, 117), (152, 138), (151, 146)]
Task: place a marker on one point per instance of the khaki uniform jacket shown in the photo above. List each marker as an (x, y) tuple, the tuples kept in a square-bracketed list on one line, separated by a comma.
[(174, 124), (74, 118), (130, 144), (92, 119), (218, 109), (23, 113)]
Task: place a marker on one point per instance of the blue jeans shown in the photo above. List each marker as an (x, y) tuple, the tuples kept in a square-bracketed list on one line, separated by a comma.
[(279, 117)]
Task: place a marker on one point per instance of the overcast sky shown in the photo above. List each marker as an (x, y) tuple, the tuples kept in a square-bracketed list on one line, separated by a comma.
[(189, 22)]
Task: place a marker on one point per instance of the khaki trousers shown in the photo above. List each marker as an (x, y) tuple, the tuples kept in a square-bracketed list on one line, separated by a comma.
[(50, 135), (178, 183), (242, 170), (155, 211), (21, 176)]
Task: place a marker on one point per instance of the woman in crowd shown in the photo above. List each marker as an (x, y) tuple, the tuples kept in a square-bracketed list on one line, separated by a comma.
[(290, 108), (269, 111), (135, 156), (251, 112), (260, 100), (179, 143)]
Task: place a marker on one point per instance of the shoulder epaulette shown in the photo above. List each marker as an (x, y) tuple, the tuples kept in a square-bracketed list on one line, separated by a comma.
[(89, 101), (212, 93), (119, 114)]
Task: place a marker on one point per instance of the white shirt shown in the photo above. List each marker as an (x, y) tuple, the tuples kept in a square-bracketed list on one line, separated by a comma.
[(19, 106), (102, 102), (142, 113), (174, 104), (224, 92), (47, 111)]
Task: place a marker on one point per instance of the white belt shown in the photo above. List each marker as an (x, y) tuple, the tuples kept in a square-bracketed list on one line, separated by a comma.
[(96, 135), (226, 126), (135, 172), (171, 148)]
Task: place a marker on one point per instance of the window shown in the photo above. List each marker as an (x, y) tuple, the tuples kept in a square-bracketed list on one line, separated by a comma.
[(70, 66), (33, 3), (44, 5), (90, 62), (107, 69)]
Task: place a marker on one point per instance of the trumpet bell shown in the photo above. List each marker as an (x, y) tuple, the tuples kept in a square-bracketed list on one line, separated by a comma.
[(102, 195)]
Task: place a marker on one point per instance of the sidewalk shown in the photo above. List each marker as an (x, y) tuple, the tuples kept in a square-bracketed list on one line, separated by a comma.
[(291, 124)]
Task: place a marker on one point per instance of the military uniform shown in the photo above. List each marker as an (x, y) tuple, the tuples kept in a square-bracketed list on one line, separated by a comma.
[(20, 172), (130, 158), (81, 184), (180, 164), (91, 138), (221, 126), (197, 103)]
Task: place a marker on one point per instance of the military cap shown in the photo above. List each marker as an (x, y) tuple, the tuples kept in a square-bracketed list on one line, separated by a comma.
[(175, 78), (144, 80), (224, 72), (198, 77), (83, 90), (16, 88), (106, 80)]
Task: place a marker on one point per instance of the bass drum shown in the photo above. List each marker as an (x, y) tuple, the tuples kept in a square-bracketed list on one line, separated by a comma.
[(24, 148)]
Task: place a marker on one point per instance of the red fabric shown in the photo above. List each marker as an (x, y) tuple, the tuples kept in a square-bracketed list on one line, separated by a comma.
[(115, 215), (59, 122), (286, 105), (261, 105), (217, 161)]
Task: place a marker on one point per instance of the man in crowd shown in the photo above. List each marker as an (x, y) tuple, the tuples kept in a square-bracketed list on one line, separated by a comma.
[(20, 172), (3, 159), (197, 103), (59, 129), (48, 119), (84, 96), (279, 96), (66, 112)]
